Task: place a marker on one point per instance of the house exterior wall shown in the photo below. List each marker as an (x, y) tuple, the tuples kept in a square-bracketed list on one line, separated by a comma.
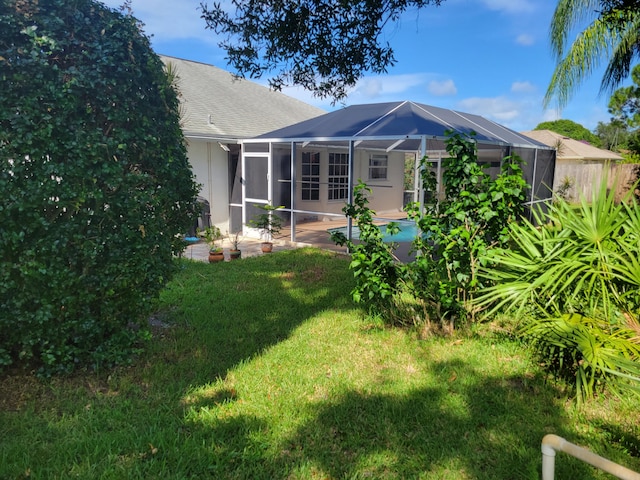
[(386, 196), (210, 166)]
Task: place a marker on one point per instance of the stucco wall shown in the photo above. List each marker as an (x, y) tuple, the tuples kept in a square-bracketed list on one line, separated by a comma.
[(210, 166), (386, 196)]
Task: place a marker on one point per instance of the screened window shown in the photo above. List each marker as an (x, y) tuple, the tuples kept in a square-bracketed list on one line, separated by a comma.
[(310, 187), (378, 167), (338, 176)]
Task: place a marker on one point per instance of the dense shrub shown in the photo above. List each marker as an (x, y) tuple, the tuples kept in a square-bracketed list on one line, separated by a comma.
[(94, 178), (574, 280)]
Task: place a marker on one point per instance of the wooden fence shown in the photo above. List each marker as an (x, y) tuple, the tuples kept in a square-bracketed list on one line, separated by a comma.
[(626, 175), (585, 177)]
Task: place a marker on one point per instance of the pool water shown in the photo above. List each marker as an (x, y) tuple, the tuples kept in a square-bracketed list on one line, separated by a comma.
[(408, 231)]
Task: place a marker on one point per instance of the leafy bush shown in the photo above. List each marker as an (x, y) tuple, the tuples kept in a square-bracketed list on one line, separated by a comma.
[(454, 235), (378, 275), (461, 227), (95, 181), (577, 275)]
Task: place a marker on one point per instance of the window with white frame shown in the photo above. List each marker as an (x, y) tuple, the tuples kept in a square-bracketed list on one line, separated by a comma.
[(378, 166), (338, 178), (310, 181)]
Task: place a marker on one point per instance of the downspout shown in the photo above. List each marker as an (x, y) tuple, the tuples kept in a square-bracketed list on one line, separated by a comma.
[(293, 191), (243, 188), (552, 443), (210, 183), (270, 175), (423, 152), (350, 194)]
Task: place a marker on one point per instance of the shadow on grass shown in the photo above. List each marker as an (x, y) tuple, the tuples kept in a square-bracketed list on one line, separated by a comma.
[(225, 314), (465, 424), (473, 427)]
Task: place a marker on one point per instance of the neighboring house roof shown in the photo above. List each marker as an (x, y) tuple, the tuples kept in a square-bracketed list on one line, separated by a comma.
[(405, 120), (570, 149), (215, 104)]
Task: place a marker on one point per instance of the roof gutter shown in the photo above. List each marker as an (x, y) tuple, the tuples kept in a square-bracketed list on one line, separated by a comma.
[(213, 138)]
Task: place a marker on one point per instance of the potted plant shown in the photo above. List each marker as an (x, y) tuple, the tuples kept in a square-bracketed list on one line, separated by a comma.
[(268, 223), (234, 251), (213, 236)]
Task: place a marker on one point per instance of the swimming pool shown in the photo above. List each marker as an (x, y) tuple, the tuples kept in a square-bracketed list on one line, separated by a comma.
[(408, 231)]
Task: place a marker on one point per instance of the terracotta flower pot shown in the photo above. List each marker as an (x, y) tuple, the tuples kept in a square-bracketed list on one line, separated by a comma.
[(266, 247), (235, 254), (215, 257)]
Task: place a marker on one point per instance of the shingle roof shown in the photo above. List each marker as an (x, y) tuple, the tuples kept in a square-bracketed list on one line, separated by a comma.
[(570, 149), (218, 105)]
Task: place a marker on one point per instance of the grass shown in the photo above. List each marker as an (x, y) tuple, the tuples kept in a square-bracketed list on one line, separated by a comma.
[(264, 369)]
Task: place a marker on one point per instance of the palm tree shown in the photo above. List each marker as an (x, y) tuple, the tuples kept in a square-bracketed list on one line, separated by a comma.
[(613, 35)]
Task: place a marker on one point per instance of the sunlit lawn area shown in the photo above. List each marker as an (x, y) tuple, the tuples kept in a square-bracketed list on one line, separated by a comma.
[(264, 369)]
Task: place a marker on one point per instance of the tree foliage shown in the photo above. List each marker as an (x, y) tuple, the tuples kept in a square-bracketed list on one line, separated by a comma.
[(323, 46), (570, 129), (622, 133), (613, 135), (95, 181), (624, 104), (613, 35)]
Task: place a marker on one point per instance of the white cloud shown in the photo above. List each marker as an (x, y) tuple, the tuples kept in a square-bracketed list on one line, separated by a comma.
[(166, 21), (384, 88), (510, 6), (371, 87), (523, 87), (375, 87), (518, 114), (498, 108), (525, 39), (442, 88)]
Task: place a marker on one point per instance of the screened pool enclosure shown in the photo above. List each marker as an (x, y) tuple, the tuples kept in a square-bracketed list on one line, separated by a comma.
[(310, 168)]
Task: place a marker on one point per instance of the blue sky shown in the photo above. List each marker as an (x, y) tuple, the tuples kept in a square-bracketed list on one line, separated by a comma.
[(488, 57)]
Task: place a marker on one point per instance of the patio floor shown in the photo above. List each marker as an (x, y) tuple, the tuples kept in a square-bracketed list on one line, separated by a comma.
[(308, 234)]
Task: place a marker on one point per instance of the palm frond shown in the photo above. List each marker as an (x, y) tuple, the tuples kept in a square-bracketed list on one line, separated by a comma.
[(627, 48), (580, 347), (591, 46), (567, 15)]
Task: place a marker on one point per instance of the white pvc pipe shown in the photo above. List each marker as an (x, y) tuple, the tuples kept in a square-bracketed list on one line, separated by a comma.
[(553, 443)]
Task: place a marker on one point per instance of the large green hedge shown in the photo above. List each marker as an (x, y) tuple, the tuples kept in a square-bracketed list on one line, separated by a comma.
[(94, 180)]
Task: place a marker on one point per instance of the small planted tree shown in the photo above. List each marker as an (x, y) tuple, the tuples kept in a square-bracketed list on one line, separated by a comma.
[(268, 223), (460, 228), (95, 183), (378, 275), (454, 236)]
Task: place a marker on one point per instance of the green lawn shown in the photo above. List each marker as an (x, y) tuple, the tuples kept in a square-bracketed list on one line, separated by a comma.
[(264, 369)]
